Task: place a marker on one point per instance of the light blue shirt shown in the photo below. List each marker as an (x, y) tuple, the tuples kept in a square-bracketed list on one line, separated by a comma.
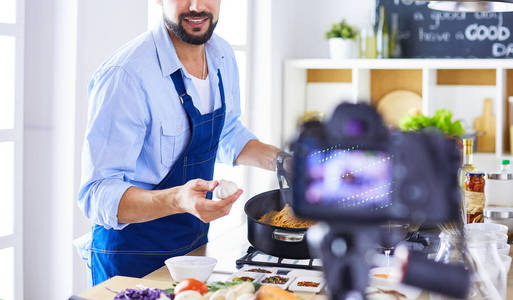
[(137, 127)]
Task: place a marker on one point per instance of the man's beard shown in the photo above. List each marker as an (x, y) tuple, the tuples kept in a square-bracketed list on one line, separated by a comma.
[(180, 32)]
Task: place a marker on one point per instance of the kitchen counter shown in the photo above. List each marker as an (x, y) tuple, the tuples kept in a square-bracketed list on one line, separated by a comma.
[(226, 249)]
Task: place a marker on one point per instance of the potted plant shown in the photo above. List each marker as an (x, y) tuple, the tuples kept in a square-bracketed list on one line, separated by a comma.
[(342, 41)]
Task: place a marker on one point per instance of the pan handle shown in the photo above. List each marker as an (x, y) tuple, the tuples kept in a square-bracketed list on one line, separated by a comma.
[(287, 236), (283, 178)]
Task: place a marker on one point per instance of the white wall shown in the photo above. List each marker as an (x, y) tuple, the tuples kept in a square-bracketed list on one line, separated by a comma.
[(38, 161), (287, 29), (65, 42)]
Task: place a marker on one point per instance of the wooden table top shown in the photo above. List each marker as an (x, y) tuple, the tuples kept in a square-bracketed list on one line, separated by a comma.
[(226, 249)]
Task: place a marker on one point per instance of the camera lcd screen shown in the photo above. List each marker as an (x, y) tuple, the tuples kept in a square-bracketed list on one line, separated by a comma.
[(349, 178)]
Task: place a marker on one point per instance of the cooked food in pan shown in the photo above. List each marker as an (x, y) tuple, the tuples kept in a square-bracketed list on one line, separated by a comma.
[(285, 218)]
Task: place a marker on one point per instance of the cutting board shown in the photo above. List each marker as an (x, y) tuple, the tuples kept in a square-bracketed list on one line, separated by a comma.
[(395, 105), (120, 283), (485, 128)]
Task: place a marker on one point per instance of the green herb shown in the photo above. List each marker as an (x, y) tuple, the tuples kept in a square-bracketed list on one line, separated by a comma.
[(171, 290), (218, 285), (214, 286), (342, 30), (442, 120)]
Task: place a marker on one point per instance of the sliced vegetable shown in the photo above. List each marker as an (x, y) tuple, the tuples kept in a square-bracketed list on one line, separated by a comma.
[(146, 294), (191, 284)]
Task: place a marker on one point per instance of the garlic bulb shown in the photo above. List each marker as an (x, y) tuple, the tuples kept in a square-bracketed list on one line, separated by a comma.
[(189, 295), (225, 189)]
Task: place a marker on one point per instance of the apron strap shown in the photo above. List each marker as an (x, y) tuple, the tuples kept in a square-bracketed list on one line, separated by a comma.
[(180, 86), (221, 87)]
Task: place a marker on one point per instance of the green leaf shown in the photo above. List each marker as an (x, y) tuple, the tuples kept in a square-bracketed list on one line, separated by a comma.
[(442, 119)]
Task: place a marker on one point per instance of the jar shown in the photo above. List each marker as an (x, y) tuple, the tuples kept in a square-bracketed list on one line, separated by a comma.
[(499, 188), (500, 215), (448, 252), (491, 268), (474, 196), (483, 249)]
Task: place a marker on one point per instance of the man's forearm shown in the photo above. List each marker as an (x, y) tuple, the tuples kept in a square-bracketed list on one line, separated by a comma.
[(258, 154), (138, 205)]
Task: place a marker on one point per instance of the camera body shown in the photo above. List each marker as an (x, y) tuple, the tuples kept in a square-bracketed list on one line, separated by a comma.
[(353, 170)]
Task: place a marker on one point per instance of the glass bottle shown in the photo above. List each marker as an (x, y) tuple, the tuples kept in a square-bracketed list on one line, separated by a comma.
[(468, 161), (368, 38), (382, 35), (482, 256), (506, 166), (466, 166), (395, 43)]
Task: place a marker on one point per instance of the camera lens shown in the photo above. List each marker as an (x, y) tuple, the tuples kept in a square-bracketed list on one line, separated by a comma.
[(354, 127)]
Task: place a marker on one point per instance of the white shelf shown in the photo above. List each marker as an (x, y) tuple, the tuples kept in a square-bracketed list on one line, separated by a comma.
[(401, 63), (295, 86)]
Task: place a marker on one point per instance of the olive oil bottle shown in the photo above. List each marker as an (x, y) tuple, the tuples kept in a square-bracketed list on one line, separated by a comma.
[(468, 161)]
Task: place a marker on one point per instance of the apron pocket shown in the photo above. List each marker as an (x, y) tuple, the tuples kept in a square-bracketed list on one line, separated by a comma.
[(172, 136), (201, 158)]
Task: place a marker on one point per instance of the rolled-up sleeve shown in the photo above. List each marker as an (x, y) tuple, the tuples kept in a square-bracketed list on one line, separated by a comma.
[(234, 135), (117, 124)]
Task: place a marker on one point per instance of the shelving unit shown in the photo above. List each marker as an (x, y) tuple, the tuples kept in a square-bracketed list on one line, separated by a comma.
[(367, 80)]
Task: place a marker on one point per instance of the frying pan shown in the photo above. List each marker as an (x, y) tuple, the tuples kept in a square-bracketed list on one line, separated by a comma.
[(274, 240)]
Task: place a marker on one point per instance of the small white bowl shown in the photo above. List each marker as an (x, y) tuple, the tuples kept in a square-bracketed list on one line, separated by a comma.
[(197, 267), (283, 285), (254, 275), (503, 249), (488, 227), (294, 287), (391, 283)]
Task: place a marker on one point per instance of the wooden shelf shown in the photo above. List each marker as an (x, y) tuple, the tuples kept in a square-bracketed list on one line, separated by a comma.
[(401, 63), (369, 79)]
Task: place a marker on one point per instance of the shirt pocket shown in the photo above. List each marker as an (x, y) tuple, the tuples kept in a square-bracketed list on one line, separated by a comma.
[(172, 140)]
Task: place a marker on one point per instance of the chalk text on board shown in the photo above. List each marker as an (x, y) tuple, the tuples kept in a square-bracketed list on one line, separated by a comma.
[(433, 36), (501, 50)]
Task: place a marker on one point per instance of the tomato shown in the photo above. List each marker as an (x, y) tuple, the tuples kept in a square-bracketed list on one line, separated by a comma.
[(191, 284)]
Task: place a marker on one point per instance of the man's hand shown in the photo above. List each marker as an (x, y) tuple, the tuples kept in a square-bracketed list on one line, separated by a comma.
[(191, 199), (258, 154), (138, 205)]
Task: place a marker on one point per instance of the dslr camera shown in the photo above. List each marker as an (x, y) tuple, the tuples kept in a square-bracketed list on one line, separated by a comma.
[(354, 175), (352, 170)]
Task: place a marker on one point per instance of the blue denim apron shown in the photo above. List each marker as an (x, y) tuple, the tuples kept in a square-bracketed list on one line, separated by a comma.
[(141, 248)]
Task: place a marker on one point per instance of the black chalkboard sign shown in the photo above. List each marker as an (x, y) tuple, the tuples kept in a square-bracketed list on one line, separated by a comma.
[(427, 33)]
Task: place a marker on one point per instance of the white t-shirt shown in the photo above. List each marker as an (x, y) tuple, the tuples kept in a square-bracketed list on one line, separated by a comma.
[(205, 103)]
